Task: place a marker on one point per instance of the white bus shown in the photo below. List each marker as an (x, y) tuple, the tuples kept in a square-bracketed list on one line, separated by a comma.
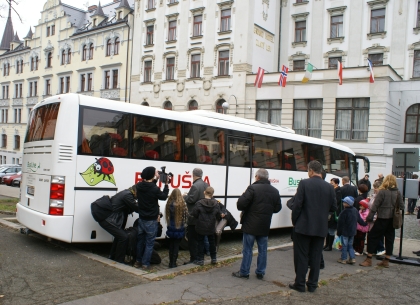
[(78, 148)]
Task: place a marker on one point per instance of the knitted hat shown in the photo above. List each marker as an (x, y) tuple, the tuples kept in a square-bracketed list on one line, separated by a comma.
[(148, 173), (349, 200), (364, 203)]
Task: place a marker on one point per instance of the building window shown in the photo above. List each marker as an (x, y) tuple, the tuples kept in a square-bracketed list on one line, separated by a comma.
[(298, 65), (6, 69), (300, 31), (148, 71), (84, 52), (376, 59), (3, 140), (49, 60), (149, 34), (336, 26), (307, 117), (172, 30), (19, 66), (4, 115), (114, 79), (269, 111), (119, 15), (145, 104), (17, 115), (173, 1), (195, 65), (67, 84), (223, 63), (31, 89), (225, 20), (52, 30), (193, 105), (18, 90), (48, 31), (150, 4), (167, 105), (117, 46), (5, 92), (333, 62), (412, 124), (48, 87), (219, 106), (63, 57), (32, 63), (90, 82), (170, 68), (198, 21), (91, 51), (36, 63), (68, 56), (352, 119), (418, 15), (82, 82), (107, 79), (17, 142), (416, 64), (377, 21), (108, 47), (62, 88), (94, 22)]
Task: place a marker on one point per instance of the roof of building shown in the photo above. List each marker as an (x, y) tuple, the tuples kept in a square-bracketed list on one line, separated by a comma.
[(99, 11), (29, 35), (8, 34), (124, 3)]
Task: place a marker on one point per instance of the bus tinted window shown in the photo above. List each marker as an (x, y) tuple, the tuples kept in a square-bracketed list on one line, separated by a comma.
[(239, 153), (339, 163), (204, 144), (42, 123), (104, 133), (316, 152), (294, 155), (266, 152), (156, 139)]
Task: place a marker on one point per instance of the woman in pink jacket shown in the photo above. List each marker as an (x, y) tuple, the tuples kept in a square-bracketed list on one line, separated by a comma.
[(359, 239)]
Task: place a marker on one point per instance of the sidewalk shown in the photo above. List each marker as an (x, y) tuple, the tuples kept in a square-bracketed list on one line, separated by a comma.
[(218, 284)]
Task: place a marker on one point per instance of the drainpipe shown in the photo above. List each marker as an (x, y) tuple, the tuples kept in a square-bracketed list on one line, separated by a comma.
[(126, 68), (278, 64)]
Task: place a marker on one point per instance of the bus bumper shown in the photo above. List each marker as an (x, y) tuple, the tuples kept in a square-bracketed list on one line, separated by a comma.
[(46, 224)]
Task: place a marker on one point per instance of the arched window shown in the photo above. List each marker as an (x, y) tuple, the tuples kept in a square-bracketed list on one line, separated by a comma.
[(108, 47), (219, 107), (32, 63), (63, 57), (84, 53), (193, 105), (167, 105), (21, 66), (145, 103), (91, 51), (69, 56), (49, 60), (36, 63), (116, 46), (412, 122)]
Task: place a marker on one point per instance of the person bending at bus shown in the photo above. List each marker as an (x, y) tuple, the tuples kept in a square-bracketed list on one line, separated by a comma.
[(257, 203), (123, 203), (195, 193), (148, 195)]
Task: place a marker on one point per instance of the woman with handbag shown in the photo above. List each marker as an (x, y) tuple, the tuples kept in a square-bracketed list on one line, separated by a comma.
[(333, 217), (387, 205)]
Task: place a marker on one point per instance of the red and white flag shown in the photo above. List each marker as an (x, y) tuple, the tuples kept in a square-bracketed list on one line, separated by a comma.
[(340, 72), (259, 78), (372, 77), (283, 76)]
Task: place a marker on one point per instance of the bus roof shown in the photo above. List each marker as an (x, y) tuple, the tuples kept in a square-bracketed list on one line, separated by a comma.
[(200, 117)]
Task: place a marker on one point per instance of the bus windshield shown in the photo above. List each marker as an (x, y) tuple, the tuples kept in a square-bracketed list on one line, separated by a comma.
[(41, 124)]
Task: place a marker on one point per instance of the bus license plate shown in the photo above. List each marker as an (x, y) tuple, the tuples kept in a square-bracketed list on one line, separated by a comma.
[(30, 190)]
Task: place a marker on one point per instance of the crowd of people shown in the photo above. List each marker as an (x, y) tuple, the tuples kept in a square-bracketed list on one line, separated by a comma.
[(322, 214)]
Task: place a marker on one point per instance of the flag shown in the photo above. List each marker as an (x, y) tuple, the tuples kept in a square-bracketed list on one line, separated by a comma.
[(283, 76), (308, 73), (372, 78), (259, 78), (340, 72)]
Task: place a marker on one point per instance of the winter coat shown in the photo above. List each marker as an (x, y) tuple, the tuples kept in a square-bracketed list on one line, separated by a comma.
[(358, 199), (347, 222), (172, 231), (148, 195), (258, 203), (332, 223), (365, 182), (349, 190), (206, 212), (230, 220), (123, 203), (363, 214), (384, 204), (195, 193)]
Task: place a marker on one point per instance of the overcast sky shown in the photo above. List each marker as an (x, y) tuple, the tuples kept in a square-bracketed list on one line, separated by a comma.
[(30, 12)]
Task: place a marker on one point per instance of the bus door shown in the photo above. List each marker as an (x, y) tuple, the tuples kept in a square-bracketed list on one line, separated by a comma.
[(238, 171)]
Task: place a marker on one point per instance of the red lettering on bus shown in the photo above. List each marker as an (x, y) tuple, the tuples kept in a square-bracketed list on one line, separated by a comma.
[(186, 179), (178, 181)]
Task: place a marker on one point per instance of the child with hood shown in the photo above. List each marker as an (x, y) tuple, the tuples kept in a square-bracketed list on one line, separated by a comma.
[(359, 239)]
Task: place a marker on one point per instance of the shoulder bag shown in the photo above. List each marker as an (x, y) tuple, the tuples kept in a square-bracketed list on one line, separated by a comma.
[(397, 218)]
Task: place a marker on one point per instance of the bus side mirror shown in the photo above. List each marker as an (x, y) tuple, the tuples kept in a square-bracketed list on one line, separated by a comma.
[(366, 163)]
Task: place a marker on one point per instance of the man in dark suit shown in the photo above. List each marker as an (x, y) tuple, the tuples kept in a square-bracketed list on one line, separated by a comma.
[(314, 200), (347, 189)]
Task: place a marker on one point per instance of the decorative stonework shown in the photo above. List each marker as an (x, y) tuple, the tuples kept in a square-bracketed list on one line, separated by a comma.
[(336, 39), (376, 35), (182, 73), (242, 68), (32, 100), (110, 94), (299, 44), (135, 78), (4, 103), (87, 93), (156, 88), (336, 10), (158, 75), (266, 5), (208, 70), (207, 84), (180, 86), (17, 102)]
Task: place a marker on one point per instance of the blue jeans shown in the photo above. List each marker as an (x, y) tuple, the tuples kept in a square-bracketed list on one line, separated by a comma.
[(347, 247), (145, 240), (248, 244)]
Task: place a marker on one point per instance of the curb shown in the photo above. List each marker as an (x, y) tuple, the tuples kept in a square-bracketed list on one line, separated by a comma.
[(8, 213)]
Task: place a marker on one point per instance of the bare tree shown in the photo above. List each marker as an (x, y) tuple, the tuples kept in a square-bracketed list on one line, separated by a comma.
[(10, 3)]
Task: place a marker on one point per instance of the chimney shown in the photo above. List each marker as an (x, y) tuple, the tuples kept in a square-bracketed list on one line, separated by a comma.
[(92, 8)]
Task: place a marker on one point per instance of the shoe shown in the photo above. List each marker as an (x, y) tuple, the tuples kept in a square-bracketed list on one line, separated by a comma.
[(351, 261), (199, 263), (367, 262), (238, 274), (322, 266), (416, 252), (407, 213), (293, 286), (137, 265), (146, 268), (207, 253), (357, 253), (384, 263), (380, 253), (189, 262), (260, 276), (342, 261), (311, 289), (213, 261)]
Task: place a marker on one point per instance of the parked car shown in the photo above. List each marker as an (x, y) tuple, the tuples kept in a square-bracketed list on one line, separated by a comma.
[(8, 179), (9, 170), (16, 181)]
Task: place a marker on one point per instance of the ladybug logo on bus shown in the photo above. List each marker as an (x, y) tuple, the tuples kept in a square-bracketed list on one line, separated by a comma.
[(101, 170)]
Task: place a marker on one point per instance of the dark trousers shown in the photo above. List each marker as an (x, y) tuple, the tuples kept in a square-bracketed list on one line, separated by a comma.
[(411, 205), (174, 248), (359, 242), (382, 227), (307, 250), (192, 242), (212, 248), (119, 246)]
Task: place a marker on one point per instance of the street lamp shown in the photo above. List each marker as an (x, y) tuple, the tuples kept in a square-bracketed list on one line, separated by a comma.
[(236, 103), (225, 107)]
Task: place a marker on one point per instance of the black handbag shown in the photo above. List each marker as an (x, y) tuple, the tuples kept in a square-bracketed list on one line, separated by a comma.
[(289, 202), (101, 208)]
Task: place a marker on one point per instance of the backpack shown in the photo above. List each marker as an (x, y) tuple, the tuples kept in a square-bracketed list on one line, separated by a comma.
[(101, 208), (131, 251)]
